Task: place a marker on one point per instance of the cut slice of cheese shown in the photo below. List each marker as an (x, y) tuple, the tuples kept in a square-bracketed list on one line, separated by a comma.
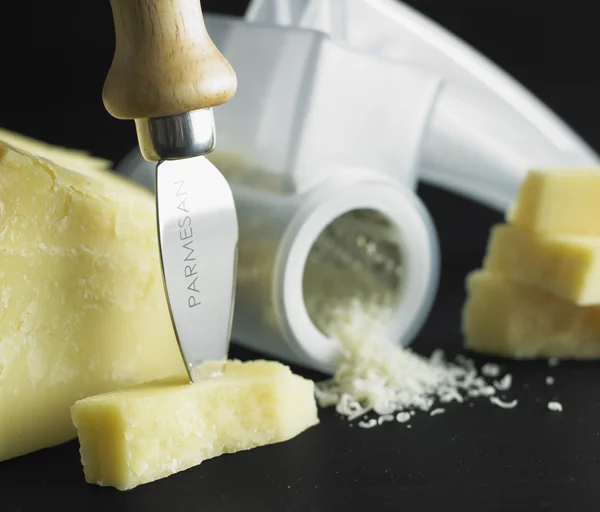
[(82, 305), (506, 318), (136, 436), (563, 202), (566, 266)]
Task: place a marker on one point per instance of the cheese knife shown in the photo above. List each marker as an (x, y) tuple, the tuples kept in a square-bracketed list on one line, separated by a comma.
[(168, 75)]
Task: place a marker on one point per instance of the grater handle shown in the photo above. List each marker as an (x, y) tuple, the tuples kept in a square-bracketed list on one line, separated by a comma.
[(165, 63)]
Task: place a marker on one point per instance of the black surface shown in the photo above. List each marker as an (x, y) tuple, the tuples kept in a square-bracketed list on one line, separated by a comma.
[(53, 60)]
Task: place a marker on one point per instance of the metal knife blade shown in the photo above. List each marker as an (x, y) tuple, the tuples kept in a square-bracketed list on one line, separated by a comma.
[(198, 234)]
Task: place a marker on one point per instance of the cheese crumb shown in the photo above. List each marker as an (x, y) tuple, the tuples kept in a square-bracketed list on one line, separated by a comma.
[(435, 412), (549, 380), (555, 406), (385, 418), (368, 424), (403, 417), (374, 375), (490, 370), (504, 383), (487, 391), (505, 405)]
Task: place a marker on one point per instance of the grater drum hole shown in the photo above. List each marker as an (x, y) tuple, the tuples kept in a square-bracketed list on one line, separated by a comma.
[(358, 256)]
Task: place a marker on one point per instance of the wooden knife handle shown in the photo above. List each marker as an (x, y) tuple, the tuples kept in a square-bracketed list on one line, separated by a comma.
[(165, 63)]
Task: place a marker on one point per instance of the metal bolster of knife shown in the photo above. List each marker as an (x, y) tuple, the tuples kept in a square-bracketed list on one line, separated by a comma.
[(167, 75), (176, 137)]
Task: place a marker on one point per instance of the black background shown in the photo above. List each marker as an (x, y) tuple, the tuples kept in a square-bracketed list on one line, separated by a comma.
[(53, 59)]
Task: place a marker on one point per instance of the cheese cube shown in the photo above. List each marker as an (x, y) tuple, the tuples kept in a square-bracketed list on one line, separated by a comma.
[(563, 202), (566, 266), (136, 436), (82, 304), (507, 318)]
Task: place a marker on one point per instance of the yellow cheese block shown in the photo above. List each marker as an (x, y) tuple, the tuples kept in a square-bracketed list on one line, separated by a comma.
[(136, 436), (507, 318), (566, 266), (82, 306), (563, 202)]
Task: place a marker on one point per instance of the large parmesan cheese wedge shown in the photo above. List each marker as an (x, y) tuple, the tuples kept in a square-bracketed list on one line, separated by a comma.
[(566, 266), (506, 318), (82, 306), (136, 436), (563, 202)]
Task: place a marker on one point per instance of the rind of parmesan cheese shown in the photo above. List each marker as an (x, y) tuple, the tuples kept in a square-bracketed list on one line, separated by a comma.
[(73, 159)]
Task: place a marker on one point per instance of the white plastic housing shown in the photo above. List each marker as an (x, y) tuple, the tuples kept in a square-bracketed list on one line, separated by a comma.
[(486, 129), (306, 104)]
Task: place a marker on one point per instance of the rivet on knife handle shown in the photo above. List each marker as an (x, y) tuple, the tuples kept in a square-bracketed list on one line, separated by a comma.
[(167, 75)]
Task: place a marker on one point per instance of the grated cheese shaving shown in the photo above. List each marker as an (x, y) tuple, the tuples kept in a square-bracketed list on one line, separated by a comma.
[(549, 380), (488, 391), (385, 418), (505, 405), (504, 383), (435, 412), (490, 370), (403, 417), (376, 376), (555, 406), (368, 424)]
